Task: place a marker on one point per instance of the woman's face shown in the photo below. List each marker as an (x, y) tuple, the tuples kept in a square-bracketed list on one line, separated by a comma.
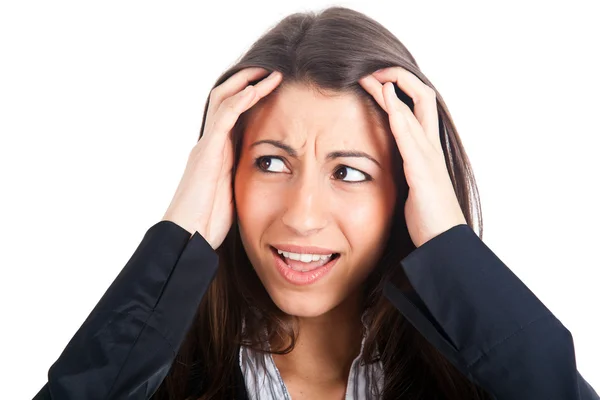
[(341, 204)]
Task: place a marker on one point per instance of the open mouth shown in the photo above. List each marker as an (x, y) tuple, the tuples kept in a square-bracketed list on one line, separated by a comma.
[(300, 273), (300, 266)]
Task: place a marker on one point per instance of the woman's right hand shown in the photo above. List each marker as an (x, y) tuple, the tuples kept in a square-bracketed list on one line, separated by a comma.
[(203, 200)]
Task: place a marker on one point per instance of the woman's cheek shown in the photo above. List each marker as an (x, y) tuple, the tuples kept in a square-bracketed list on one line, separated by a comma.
[(365, 219), (359, 207), (254, 200)]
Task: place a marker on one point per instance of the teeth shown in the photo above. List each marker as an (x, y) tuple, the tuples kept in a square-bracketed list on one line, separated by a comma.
[(306, 258)]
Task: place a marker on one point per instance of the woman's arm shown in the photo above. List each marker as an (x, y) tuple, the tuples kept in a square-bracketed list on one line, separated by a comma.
[(478, 313), (127, 344)]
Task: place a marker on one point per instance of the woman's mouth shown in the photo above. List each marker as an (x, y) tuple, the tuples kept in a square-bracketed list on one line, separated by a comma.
[(299, 272)]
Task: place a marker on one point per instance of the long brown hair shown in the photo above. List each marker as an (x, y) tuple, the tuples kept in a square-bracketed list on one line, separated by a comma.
[(328, 51)]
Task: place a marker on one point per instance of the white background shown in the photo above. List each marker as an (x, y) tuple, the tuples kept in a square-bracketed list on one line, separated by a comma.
[(100, 104)]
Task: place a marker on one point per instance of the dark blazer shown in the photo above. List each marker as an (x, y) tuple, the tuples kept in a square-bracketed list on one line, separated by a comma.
[(478, 314)]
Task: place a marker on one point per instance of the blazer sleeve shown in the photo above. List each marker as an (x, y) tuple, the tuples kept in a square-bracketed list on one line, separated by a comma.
[(125, 347), (483, 319)]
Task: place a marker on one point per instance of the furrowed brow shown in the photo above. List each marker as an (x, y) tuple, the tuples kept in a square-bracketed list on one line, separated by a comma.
[(331, 156), (362, 154), (277, 143)]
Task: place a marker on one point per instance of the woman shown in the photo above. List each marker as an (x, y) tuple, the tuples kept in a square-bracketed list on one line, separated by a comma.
[(274, 275)]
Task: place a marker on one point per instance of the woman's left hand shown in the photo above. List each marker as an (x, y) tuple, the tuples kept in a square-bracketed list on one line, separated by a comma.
[(432, 206)]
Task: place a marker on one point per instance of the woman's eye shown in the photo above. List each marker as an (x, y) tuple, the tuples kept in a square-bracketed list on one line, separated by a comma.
[(272, 164), (354, 177), (264, 162)]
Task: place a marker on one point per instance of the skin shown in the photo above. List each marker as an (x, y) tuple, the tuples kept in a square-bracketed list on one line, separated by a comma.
[(203, 201), (308, 200)]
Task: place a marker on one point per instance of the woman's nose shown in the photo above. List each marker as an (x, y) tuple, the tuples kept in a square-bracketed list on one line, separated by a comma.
[(306, 208)]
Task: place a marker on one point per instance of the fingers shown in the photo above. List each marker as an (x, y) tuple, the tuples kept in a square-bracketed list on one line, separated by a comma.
[(405, 132), (229, 109), (422, 95), (375, 89), (266, 86), (235, 84), (402, 121), (378, 90)]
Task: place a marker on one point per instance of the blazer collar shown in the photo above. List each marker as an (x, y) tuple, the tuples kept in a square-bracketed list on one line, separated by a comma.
[(240, 383)]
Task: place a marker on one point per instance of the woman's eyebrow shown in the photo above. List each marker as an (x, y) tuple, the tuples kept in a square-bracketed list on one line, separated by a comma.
[(333, 155)]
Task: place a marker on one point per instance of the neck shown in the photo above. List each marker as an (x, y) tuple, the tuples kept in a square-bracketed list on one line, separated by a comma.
[(326, 345)]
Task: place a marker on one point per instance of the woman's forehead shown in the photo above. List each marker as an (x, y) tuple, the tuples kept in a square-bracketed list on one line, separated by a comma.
[(299, 115)]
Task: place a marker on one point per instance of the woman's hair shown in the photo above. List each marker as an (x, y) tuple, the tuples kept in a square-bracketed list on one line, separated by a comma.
[(327, 51)]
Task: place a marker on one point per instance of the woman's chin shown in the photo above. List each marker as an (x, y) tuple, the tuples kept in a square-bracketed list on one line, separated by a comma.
[(302, 305)]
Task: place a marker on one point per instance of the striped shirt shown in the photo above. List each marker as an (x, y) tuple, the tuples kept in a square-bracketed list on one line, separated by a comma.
[(266, 383)]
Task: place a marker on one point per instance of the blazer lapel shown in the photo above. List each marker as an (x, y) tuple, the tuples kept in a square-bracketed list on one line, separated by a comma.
[(240, 383)]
